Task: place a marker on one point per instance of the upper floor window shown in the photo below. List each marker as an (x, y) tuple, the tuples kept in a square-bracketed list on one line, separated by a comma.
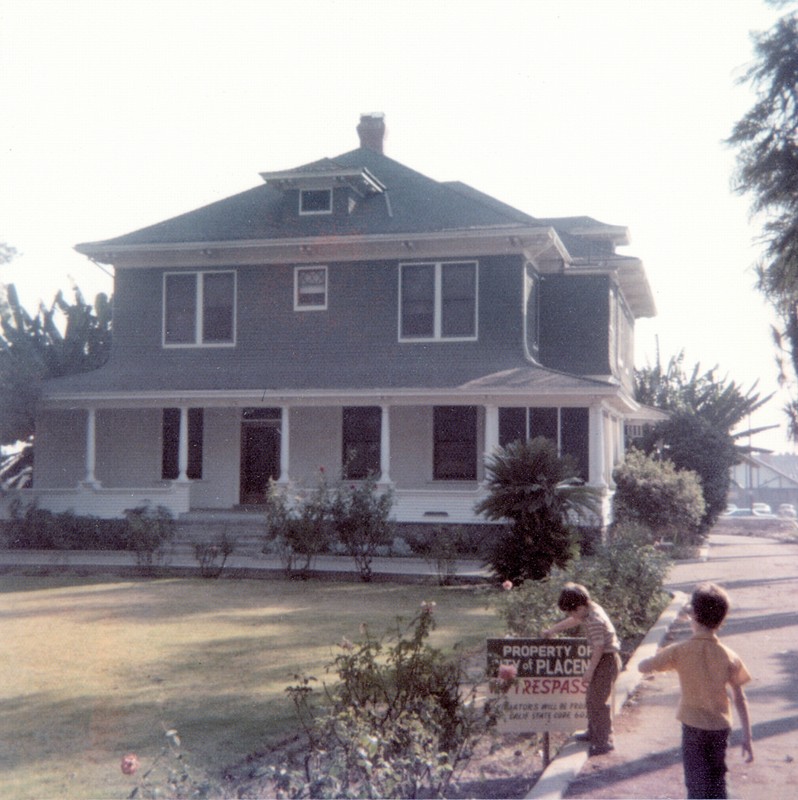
[(315, 201), (310, 288), (199, 308), (438, 301), (531, 311)]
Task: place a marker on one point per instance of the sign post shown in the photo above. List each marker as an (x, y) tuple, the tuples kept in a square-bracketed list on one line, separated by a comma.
[(542, 682)]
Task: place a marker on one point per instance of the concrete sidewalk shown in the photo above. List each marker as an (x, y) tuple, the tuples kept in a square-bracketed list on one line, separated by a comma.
[(182, 561), (761, 575)]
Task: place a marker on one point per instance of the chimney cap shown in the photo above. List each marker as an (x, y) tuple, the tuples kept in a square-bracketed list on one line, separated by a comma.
[(371, 130)]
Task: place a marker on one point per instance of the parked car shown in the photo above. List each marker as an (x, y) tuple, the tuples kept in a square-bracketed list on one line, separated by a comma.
[(763, 508), (739, 512), (787, 510)]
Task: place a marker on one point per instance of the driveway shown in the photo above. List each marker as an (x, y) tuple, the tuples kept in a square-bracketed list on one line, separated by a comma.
[(761, 575)]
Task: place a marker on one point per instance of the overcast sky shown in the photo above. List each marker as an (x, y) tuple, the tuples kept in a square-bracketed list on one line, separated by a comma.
[(120, 114)]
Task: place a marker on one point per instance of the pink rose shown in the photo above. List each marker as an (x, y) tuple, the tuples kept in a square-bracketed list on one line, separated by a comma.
[(507, 586), (130, 763), (507, 673)]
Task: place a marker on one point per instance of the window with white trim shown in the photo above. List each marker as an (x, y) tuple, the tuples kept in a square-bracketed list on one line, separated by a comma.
[(438, 301), (310, 288), (568, 428), (315, 201), (199, 309)]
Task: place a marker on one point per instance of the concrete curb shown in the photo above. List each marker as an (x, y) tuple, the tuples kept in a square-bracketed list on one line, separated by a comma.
[(568, 763)]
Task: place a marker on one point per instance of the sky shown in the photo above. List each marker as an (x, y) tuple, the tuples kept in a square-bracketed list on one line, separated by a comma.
[(120, 114)]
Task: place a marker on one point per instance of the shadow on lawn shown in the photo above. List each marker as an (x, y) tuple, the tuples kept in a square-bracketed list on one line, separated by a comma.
[(215, 730)]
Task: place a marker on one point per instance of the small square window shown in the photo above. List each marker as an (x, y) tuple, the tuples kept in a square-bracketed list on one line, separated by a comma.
[(315, 201), (310, 288)]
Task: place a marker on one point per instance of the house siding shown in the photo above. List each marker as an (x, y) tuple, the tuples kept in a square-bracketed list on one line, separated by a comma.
[(574, 323), (128, 447), (352, 344), (62, 434)]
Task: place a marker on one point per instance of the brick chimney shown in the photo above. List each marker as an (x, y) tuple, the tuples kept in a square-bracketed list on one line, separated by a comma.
[(371, 130)]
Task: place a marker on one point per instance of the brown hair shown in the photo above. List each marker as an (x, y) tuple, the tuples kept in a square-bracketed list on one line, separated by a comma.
[(572, 596), (710, 605)]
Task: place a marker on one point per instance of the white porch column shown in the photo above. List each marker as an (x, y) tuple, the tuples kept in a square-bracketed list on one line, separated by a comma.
[(182, 446), (491, 430), (284, 445), (597, 476), (385, 444), (91, 447)]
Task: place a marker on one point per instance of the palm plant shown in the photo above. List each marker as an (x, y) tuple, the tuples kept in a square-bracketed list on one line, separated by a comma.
[(541, 496)]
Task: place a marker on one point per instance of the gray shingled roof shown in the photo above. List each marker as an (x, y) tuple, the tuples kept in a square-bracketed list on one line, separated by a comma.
[(411, 203), (205, 375)]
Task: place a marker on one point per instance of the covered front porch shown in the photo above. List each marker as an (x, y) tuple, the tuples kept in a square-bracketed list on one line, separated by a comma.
[(205, 451)]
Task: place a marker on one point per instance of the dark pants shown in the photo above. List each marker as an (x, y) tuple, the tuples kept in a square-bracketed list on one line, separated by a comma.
[(704, 756), (599, 700)]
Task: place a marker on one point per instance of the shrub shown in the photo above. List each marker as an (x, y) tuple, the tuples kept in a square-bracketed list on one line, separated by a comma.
[(397, 723), (39, 529), (360, 518), (625, 577), (539, 492), (150, 532), (169, 775), (652, 492), (441, 549), (298, 528), (209, 553)]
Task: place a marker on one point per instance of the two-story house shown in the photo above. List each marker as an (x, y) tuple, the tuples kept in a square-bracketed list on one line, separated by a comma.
[(353, 315)]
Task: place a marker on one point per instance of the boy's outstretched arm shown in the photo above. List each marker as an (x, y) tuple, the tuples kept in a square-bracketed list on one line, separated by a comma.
[(741, 703), (562, 625)]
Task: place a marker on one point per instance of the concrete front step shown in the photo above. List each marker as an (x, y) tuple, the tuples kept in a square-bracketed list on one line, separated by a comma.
[(245, 528)]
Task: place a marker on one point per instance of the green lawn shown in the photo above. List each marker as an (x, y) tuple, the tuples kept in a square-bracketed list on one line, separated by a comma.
[(94, 668)]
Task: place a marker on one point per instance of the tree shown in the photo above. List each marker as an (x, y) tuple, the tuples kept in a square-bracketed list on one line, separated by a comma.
[(766, 139), (698, 436), (541, 495), (691, 443), (652, 492), (722, 404), (64, 339)]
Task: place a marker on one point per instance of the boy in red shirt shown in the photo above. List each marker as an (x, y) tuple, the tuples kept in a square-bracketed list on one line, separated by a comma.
[(706, 667)]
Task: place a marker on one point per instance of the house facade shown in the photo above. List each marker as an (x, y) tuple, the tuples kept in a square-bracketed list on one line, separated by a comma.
[(353, 316)]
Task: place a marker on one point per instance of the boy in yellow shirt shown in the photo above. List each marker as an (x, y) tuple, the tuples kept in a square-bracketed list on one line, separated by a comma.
[(706, 667)]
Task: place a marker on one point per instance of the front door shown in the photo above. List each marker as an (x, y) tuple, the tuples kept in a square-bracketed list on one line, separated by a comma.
[(260, 460)]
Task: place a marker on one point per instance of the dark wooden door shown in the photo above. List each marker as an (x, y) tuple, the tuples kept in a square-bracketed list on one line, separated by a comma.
[(260, 460)]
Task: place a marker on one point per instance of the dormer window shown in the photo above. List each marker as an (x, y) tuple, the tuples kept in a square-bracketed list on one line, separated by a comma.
[(315, 201)]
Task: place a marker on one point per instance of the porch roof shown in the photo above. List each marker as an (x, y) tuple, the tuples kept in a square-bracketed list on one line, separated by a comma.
[(530, 384)]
